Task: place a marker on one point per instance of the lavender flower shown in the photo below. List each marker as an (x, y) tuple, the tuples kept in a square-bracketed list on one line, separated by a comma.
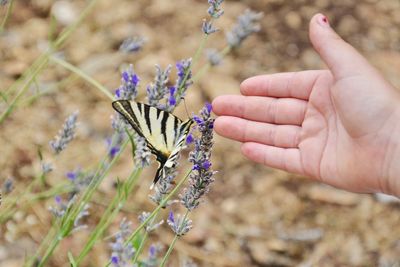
[(247, 23), (79, 180), (132, 44), (3, 2), (66, 134), (114, 146), (149, 226), (129, 84), (215, 10), (179, 225), (201, 176), (165, 184), (171, 99), (153, 253), (159, 89), (214, 57), (184, 80), (62, 208), (142, 152), (122, 254), (8, 185), (47, 167), (77, 222), (208, 27)]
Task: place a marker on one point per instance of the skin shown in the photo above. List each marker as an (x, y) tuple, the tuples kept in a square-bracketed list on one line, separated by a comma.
[(340, 126)]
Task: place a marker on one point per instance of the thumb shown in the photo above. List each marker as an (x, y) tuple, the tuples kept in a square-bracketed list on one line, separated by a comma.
[(342, 59)]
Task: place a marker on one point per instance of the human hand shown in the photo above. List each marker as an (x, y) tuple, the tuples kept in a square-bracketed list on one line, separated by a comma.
[(340, 126)]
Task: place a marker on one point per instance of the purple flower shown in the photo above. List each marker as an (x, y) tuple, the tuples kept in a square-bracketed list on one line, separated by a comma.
[(197, 119), (118, 93), (135, 79), (113, 151), (171, 99), (125, 76), (152, 251), (71, 175), (182, 83), (206, 165), (57, 199), (115, 259), (171, 217), (181, 69), (208, 107), (201, 177), (189, 138), (128, 87)]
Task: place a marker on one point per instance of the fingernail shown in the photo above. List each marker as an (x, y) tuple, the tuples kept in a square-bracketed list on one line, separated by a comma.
[(323, 21)]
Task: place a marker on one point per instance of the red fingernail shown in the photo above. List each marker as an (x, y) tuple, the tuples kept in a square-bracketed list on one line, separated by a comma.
[(323, 21)]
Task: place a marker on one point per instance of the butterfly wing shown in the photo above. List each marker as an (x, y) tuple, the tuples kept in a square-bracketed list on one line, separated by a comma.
[(164, 133)]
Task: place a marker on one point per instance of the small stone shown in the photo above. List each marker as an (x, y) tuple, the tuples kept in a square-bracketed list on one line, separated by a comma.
[(65, 12), (293, 20)]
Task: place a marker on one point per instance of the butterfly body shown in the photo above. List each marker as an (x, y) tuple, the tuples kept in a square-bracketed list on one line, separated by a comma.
[(164, 133)]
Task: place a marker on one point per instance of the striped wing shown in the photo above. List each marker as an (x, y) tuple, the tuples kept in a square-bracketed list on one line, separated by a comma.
[(164, 133)]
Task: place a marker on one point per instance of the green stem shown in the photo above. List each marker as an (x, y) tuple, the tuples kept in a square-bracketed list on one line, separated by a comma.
[(69, 218), (176, 237), (194, 61), (141, 246), (22, 91), (83, 75), (170, 248), (110, 213), (7, 16), (207, 66), (31, 73), (156, 210)]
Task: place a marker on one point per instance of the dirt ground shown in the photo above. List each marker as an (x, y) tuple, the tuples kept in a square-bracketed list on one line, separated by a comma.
[(253, 216)]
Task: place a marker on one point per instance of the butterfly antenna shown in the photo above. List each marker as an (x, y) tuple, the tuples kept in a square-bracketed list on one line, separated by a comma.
[(184, 102)]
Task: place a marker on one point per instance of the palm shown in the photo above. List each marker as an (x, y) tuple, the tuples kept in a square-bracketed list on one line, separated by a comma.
[(310, 124)]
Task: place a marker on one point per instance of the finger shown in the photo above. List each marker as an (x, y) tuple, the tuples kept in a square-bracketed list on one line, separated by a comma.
[(287, 159), (265, 133), (263, 109), (288, 84), (342, 59)]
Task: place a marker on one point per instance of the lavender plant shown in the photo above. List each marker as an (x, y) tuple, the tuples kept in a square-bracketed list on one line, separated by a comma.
[(132, 44), (163, 95), (66, 134)]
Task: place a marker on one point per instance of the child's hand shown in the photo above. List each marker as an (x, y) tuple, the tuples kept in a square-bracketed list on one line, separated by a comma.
[(340, 126)]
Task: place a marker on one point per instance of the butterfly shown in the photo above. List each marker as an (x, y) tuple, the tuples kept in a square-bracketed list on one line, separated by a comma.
[(165, 134)]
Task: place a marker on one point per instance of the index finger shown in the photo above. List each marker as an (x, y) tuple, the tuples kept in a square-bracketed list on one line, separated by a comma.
[(287, 84)]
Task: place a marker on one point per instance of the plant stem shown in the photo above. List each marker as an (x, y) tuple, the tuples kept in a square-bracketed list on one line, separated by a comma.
[(30, 74), (83, 75), (194, 61), (69, 218), (140, 248), (112, 210), (7, 16), (207, 66), (156, 210), (176, 237)]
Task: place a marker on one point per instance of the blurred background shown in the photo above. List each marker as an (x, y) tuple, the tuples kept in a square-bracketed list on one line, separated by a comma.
[(253, 216)]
